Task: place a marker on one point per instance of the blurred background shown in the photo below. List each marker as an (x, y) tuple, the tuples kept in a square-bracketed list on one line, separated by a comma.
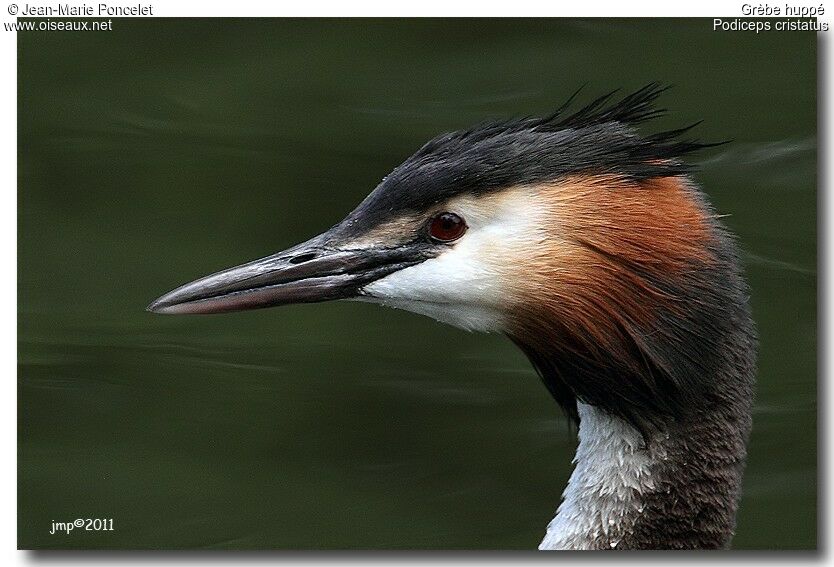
[(167, 149)]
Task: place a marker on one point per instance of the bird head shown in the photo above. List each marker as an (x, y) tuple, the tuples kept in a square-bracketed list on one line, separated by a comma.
[(573, 234)]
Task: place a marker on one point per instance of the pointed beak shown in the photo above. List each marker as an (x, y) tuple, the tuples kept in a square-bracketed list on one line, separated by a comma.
[(313, 271)]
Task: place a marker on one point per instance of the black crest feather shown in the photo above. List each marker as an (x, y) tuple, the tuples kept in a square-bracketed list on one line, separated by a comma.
[(635, 108), (597, 138)]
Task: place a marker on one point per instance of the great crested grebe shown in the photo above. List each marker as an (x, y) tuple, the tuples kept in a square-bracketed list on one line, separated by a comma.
[(593, 250)]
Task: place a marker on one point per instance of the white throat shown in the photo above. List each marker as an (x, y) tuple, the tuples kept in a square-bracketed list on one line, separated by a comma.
[(604, 494)]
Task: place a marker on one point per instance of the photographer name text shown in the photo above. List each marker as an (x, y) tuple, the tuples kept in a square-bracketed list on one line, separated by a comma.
[(87, 10)]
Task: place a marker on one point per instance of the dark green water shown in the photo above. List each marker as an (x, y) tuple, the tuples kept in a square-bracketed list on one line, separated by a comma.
[(164, 150)]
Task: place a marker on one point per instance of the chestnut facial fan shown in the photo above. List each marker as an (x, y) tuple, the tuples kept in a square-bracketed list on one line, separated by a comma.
[(590, 247)]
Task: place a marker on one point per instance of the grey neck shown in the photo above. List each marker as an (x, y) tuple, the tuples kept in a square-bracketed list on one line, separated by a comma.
[(677, 490)]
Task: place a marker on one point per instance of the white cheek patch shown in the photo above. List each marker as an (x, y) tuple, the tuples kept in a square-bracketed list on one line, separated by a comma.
[(467, 285)]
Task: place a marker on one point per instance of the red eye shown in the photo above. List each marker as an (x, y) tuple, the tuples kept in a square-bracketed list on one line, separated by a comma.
[(446, 227)]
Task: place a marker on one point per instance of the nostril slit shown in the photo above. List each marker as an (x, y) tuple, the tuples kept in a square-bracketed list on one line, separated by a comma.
[(303, 258)]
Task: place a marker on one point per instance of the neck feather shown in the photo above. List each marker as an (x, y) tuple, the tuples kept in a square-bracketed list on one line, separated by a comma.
[(676, 489), (605, 493)]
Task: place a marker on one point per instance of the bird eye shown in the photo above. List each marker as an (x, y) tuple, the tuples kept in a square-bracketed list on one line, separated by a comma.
[(446, 227)]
